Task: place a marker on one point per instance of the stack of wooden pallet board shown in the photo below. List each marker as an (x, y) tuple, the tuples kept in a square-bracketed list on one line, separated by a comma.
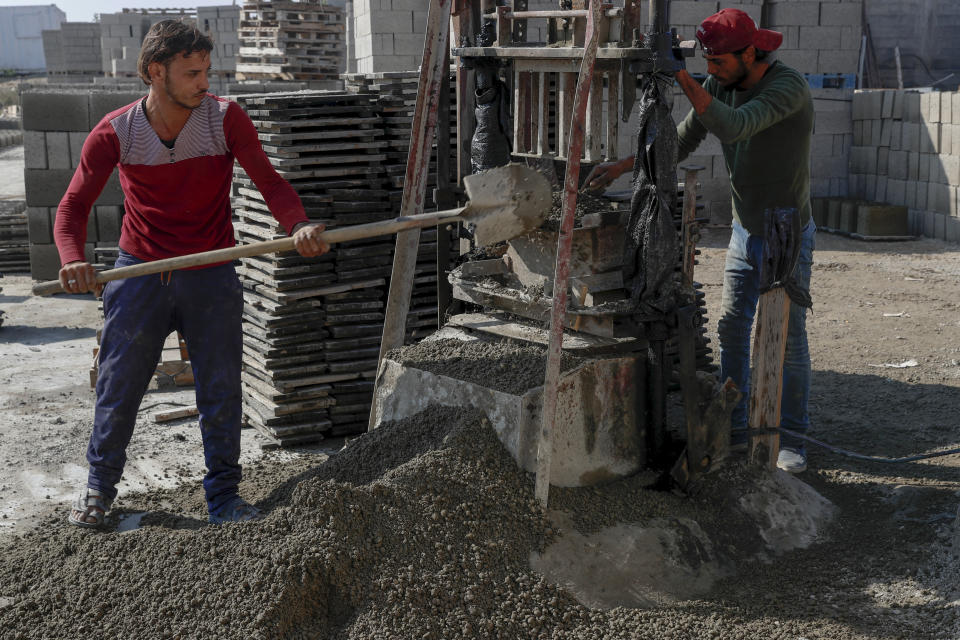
[(396, 94), (313, 326), (287, 40), (14, 236)]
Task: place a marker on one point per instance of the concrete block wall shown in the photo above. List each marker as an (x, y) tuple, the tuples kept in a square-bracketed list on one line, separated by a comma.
[(56, 123), (925, 31), (122, 35), (819, 36), (907, 152), (73, 51)]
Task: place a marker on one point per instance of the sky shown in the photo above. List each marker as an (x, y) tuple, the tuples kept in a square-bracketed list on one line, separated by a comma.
[(84, 10)]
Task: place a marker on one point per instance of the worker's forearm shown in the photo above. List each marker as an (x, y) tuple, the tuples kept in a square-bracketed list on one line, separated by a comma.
[(698, 96)]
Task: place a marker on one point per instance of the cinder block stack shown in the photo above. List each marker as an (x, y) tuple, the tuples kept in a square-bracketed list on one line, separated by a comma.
[(819, 37), (55, 124), (222, 24), (907, 152), (72, 52), (122, 35), (286, 40)]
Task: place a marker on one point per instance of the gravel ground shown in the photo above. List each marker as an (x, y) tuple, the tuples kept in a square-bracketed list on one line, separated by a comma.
[(426, 529)]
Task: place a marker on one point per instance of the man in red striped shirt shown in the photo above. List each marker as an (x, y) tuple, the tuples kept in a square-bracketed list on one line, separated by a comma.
[(175, 150)]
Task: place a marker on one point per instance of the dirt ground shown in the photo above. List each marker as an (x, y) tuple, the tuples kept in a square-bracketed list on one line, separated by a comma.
[(885, 345)]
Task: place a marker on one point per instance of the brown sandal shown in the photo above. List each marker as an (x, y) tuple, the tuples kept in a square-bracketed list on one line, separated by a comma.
[(91, 503)]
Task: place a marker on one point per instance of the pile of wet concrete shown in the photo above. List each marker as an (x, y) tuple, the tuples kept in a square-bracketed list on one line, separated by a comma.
[(424, 528)]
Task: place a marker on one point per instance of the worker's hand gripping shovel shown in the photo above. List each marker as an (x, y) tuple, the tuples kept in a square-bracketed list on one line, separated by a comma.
[(503, 203)]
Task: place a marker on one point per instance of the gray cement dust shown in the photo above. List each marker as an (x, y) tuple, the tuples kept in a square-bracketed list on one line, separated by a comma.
[(422, 529), (586, 204), (501, 365)]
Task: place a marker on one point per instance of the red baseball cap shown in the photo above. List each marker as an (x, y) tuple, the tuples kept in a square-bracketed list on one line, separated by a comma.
[(732, 30)]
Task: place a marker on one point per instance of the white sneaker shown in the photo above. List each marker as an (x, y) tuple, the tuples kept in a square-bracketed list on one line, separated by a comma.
[(792, 460)]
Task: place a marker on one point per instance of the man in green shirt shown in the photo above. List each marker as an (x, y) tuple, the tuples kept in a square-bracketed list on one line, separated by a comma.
[(762, 113)]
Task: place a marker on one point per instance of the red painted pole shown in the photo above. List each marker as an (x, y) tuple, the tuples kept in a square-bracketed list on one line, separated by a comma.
[(564, 245)]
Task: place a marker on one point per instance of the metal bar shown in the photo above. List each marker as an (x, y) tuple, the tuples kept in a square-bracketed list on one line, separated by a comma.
[(609, 12), (422, 133), (565, 99), (595, 120), (562, 267), (532, 112)]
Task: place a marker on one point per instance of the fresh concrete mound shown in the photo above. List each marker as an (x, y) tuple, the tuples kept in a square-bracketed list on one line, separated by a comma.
[(423, 528)]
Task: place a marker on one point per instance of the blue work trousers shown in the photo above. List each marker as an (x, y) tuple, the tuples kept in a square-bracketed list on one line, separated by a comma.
[(741, 292), (205, 306)]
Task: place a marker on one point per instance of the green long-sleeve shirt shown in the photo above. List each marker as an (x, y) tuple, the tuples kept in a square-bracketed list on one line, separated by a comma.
[(765, 134)]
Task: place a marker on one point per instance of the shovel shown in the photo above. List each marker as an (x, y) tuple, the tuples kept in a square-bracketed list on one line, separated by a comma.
[(503, 203)]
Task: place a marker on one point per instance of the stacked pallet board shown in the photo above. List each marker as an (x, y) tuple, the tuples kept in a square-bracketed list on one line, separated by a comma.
[(313, 326), (290, 40), (396, 95), (14, 236)]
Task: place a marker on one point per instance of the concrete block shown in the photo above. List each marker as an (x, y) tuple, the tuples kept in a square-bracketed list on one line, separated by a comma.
[(102, 103), (897, 113), (58, 150), (859, 105), (923, 193), (929, 224), (876, 132), (45, 188), (840, 13), (911, 136), (938, 197), (913, 165), (955, 137), (59, 111), (408, 44), (954, 205), (880, 220), (685, 11), (955, 111), (887, 109), (936, 173), (898, 165), (44, 262), (915, 222), (940, 226), (848, 216), (896, 191), (34, 150), (793, 13), (850, 38), (886, 127), (800, 59), (811, 37), (951, 168), (946, 139), (880, 192), (930, 137), (896, 135), (946, 107), (839, 187), (109, 220), (397, 22), (830, 167), (858, 138), (77, 138), (39, 225), (821, 145), (820, 187), (869, 187), (838, 61), (883, 161), (875, 104), (930, 106), (910, 195), (911, 107), (953, 230)]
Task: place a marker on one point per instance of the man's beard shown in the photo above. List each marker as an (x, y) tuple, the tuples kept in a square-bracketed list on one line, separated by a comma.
[(169, 89), (739, 78)]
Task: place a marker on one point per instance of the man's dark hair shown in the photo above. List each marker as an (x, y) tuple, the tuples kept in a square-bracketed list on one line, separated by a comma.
[(165, 40)]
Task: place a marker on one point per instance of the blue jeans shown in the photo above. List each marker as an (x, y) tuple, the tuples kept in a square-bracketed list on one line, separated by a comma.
[(741, 291), (205, 306)]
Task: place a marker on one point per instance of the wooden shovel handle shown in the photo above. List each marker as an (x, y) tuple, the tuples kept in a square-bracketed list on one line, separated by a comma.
[(334, 236)]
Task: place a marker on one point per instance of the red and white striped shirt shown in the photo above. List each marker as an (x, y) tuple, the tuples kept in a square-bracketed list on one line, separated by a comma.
[(177, 201)]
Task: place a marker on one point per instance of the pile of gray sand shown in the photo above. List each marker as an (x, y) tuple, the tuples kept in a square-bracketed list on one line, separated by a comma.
[(424, 528)]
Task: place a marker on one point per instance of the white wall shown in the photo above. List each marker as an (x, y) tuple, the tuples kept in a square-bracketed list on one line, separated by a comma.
[(21, 46)]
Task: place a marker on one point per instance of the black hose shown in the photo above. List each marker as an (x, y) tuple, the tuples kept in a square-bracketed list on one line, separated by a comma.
[(852, 454)]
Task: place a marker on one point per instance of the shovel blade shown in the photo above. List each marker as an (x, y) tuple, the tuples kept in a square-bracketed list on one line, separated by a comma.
[(506, 202)]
